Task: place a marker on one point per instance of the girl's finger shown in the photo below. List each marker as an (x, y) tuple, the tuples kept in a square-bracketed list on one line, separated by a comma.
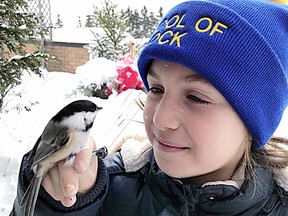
[(68, 179), (51, 187), (83, 159)]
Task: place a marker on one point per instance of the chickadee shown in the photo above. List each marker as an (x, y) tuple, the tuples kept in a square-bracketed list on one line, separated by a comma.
[(64, 136)]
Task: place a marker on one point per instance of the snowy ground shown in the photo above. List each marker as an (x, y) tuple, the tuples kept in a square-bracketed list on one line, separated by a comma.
[(20, 128), (45, 97)]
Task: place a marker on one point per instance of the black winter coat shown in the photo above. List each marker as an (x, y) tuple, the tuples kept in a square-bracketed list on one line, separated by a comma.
[(150, 192)]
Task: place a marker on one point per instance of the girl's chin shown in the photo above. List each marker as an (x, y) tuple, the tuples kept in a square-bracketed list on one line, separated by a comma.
[(172, 170)]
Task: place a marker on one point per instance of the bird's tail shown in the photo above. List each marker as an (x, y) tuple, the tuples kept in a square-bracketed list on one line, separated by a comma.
[(29, 199)]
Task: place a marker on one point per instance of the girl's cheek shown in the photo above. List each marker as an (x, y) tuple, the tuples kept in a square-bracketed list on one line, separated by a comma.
[(146, 117), (148, 114)]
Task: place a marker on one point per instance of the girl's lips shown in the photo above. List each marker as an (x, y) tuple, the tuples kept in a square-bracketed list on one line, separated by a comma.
[(166, 147)]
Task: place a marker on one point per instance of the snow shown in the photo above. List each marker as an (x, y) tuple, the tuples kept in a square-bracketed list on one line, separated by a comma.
[(31, 105), (75, 35), (86, 36), (24, 117), (87, 72)]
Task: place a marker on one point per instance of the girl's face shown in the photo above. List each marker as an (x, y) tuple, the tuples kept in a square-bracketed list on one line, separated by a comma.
[(195, 133)]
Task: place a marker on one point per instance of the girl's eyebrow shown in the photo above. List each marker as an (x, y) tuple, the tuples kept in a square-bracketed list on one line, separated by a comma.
[(188, 79), (152, 73), (195, 78)]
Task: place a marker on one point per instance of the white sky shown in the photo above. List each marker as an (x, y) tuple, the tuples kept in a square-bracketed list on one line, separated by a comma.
[(70, 10)]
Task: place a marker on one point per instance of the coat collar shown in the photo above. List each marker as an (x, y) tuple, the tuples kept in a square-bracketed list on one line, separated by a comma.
[(281, 177), (232, 197), (137, 155), (223, 198)]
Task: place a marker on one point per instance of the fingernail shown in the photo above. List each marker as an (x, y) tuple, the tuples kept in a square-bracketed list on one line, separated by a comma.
[(69, 201)]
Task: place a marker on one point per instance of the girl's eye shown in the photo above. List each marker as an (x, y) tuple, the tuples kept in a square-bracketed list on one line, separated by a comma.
[(155, 90), (195, 99)]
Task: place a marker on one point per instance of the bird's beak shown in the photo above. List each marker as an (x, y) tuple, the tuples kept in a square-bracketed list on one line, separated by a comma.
[(99, 108)]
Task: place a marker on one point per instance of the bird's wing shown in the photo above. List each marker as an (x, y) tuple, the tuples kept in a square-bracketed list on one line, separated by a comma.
[(50, 142), (33, 151)]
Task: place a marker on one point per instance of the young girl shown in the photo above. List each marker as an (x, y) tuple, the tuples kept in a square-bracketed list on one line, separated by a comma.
[(216, 72)]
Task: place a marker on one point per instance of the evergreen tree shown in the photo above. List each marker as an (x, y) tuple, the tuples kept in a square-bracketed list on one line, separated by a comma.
[(144, 22), (79, 22), (59, 23), (141, 24), (135, 24), (90, 21), (110, 44), (16, 28), (160, 15), (152, 25)]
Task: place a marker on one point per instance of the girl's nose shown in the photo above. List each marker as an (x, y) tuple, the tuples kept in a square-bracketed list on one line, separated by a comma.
[(166, 115)]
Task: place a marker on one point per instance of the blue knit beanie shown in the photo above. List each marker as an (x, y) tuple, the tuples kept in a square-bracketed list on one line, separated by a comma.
[(240, 47)]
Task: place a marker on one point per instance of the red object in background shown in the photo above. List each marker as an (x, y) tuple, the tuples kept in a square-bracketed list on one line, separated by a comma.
[(128, 77)]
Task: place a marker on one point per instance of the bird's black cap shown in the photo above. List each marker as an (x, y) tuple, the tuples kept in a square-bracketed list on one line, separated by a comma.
[(74, 107)]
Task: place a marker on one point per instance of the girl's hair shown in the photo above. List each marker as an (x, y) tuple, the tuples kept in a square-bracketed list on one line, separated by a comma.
[(274, 155)]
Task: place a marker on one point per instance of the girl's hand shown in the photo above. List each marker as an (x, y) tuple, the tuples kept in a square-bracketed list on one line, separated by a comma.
[(64, 182)]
